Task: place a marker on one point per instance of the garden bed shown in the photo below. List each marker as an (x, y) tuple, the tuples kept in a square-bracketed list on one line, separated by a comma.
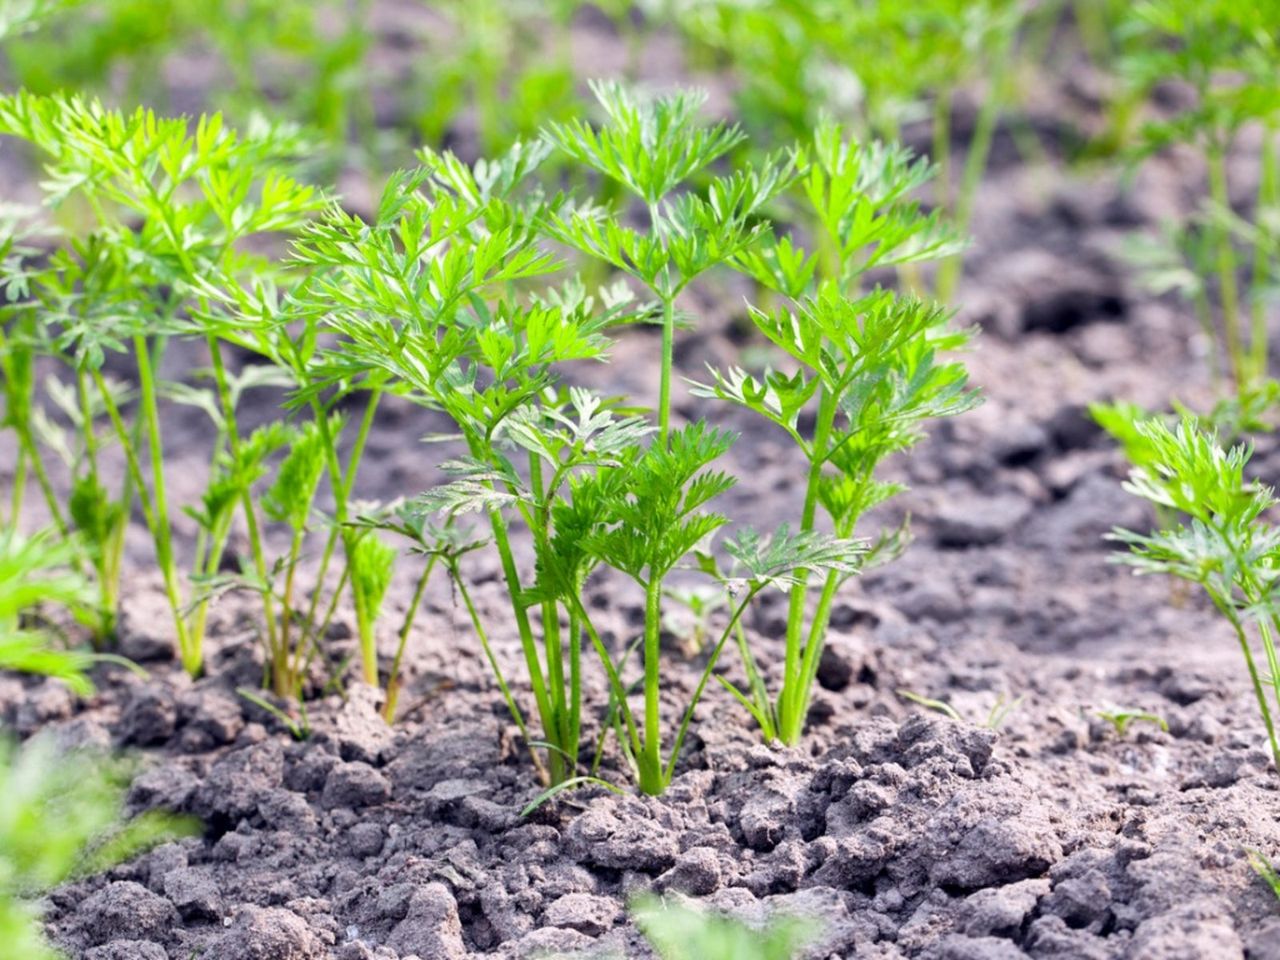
[(906, 833)]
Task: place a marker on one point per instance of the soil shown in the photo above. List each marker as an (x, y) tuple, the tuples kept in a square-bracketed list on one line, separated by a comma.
[(906, 833)]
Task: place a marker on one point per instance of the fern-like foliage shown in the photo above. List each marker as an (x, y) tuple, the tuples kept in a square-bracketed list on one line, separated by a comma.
[(1221, 540)]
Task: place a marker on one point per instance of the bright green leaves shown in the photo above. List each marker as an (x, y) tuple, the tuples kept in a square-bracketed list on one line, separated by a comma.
[(884, 64), (289, 498), (1225, 544), (860, 201), (444, 295), (870, 364), (371, 566), (1186, 470), (864, 197), (197, 191), (422, 294), (652, 508), (651, 146), (876, 360), (773, 560), (167, 204)]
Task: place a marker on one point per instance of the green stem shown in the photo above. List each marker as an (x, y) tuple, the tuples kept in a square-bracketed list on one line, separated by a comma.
[(246, 495), (478, 625), (1225, 608), (564, 719), (1226, 264), (280, 671), (27, 445), (153, 510), (546, 714), (19, 488), (1267, 195), (791, 708), (393, 676), (342, 491), (813, 652), (707, 671), (668, 362), (650, 762), (975, 164)]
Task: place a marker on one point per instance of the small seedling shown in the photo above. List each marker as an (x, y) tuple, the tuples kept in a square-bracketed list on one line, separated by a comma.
[(995, 718), (866, 365), (1222, 541), (679, 932), (170, 208), (1121, 718), (1265, 869), (690, 620)]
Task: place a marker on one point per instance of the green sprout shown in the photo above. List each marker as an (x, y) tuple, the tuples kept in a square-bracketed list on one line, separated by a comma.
[(679, 932), (994, 719), (1265, 869), (1121, 718), (866, 364), (169, 208), (1221, 542)]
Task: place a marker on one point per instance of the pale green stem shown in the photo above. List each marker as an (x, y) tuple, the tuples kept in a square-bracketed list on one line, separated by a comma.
[(1226, 264)]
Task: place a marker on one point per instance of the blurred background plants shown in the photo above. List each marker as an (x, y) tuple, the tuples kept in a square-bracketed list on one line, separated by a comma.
[(62, 817)]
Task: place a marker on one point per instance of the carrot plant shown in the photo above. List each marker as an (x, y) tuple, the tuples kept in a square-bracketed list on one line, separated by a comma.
[(446, 297), (168, 210), (1222, 260), (653, 147), (421, 299), (866, 364), (36, 574), (879, 66), (1222, 542)]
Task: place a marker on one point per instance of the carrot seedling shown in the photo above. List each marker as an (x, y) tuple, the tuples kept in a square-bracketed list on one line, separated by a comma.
[(1265, 869), (866, 365), (169, 208), (994, 720), (1121, 718), (424, 300), (1222, 542)]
